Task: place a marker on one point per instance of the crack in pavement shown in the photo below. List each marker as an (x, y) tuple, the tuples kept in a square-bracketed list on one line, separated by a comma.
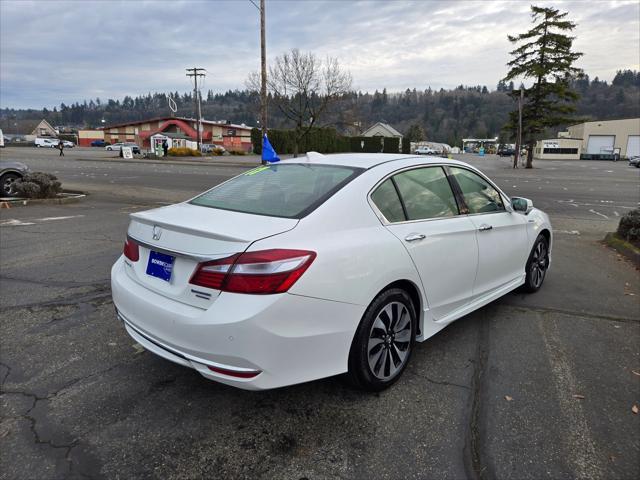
[(438, 382), (33, 421), (4, 379), (95, 298), (572, 313), (475, 466)]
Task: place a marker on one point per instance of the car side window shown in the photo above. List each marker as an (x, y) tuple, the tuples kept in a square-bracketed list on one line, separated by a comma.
[(426, 193), (386, 199), (478, 194)]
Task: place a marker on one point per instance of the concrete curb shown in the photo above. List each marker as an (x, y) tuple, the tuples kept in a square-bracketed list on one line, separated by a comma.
[(247, 164), (623, 247), (69, 196)]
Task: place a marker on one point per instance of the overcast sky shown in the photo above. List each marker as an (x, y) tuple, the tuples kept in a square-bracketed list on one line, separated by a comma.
[(66, 51)]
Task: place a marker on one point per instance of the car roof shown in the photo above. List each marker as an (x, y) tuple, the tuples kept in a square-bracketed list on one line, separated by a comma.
[(362, 160)]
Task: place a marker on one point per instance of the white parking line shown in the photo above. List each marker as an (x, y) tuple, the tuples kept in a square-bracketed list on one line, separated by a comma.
[(598, 213), (48, 219), (14, 222)]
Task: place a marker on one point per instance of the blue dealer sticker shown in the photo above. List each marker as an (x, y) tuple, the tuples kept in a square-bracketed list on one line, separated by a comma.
[(160, 265)]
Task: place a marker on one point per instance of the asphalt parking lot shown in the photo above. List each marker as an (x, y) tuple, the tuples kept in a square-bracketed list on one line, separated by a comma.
[(531, 386)]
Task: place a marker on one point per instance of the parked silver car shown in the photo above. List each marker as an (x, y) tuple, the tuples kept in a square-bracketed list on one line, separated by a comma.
[(9, 173), (116, 147)]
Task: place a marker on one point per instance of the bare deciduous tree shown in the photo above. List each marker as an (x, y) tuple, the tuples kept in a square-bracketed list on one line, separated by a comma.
[(303, 87)]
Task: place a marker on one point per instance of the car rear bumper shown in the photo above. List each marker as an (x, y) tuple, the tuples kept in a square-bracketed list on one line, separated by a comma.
[(287, 338)]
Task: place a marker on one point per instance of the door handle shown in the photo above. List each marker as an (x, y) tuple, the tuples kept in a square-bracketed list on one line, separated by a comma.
[(484, 227), (414, 236)]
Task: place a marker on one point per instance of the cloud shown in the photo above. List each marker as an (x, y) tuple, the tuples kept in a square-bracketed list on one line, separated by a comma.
[(66, 51)]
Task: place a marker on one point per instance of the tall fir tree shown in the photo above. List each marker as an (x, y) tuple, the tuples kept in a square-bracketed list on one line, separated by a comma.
[(545, 55)]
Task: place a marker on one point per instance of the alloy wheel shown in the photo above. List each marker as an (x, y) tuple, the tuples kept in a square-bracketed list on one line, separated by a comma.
[(389, 340), (539, 264)]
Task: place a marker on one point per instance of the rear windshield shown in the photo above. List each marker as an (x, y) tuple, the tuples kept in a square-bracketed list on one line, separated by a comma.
[(287, 190)]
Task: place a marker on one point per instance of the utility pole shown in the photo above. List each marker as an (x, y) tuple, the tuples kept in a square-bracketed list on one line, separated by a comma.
[(263, 59), (519, 140), (263, 70), (196, 72)]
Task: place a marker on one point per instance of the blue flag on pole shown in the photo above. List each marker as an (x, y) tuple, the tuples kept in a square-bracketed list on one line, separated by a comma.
[(268, 153)]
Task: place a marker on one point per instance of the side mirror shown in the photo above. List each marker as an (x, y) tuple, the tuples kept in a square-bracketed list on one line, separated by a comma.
[(523, 205)]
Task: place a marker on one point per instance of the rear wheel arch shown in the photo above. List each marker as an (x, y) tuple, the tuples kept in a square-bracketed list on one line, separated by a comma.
[(414, 293)]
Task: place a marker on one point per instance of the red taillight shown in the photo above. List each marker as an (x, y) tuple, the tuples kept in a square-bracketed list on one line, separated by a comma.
[(131, 250), (262, 272), (211, 274)]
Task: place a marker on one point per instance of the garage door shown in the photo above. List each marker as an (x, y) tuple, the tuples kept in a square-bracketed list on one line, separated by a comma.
[(633, 146), (600, 143)]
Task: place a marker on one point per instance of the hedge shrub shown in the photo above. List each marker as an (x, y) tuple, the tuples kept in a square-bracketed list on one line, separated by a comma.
[(406, 146), (38, 185), (323, 140), (391, 145), (629, 226), (183, 152)]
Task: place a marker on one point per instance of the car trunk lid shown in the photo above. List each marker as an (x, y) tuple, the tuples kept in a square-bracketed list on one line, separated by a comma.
[(191, 234)]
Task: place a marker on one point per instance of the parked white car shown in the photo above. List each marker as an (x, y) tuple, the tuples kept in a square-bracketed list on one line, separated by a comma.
[(323, 265), (426, 151), (46, 142), (52, 143)]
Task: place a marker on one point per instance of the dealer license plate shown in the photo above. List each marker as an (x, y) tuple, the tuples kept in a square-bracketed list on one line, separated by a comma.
[(160, 265)]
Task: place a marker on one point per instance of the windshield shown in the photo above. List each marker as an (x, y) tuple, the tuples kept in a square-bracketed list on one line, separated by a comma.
[(287, 190)]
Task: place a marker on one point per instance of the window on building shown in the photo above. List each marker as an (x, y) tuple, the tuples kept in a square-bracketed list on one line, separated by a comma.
[(231, 132), (561, 151)]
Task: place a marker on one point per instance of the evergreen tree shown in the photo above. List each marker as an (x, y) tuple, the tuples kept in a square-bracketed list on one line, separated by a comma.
[(415, 133), (546, 56)]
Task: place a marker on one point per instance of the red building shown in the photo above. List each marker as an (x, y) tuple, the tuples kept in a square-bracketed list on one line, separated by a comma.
[(179, 129)]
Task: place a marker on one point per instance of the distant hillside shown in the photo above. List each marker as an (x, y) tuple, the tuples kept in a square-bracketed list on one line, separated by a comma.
[(444, 115)]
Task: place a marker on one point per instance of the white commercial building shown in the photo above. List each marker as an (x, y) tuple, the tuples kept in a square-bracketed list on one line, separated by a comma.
[(561, 148), (608, 137)]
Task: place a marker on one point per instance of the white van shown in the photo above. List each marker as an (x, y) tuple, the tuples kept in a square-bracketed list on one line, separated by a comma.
[(1, 139), (46, 142)]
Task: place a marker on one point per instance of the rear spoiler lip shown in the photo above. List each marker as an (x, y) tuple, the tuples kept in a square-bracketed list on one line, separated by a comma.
[(177, 253), (139, 217)]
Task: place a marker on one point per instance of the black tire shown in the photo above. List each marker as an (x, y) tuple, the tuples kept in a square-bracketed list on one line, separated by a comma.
[(537, 265), (109, 149), (361, 374), (6, 183)]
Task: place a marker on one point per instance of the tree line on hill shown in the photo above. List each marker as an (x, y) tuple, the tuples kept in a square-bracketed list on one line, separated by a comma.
[(437, 115)]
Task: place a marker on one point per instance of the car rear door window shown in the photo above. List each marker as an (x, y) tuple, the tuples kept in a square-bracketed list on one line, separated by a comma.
[(426, 193), (285, 190), (386, 199), (478, 194)]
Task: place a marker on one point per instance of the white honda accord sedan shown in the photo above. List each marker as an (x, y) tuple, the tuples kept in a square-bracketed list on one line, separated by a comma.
[(324, 265)]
